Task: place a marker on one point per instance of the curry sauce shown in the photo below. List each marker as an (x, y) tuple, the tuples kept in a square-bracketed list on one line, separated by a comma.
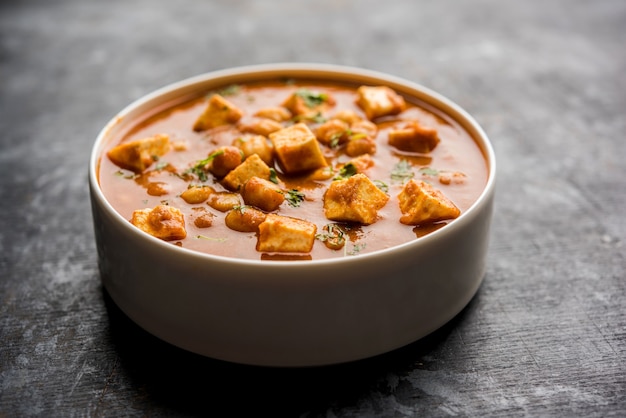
[(293, 170)]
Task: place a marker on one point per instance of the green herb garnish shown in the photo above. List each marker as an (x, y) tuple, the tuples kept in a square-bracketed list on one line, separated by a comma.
[(347, 171), (273, 176), (229, 90), (356, 249), (294, 197), (316, 118), (125, 175), (311, 98), (428, 171), (211, 239), (381, 185), (402, 172), (333, 237), (240, 208), (198, 167)]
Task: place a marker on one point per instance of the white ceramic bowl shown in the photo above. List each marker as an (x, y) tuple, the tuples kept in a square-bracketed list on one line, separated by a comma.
[(300, 313)]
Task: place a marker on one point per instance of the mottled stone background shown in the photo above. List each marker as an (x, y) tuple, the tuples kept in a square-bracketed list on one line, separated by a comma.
[(544, 336)]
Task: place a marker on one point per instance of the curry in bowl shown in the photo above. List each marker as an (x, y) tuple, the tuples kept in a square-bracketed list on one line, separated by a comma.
[(293, 170)]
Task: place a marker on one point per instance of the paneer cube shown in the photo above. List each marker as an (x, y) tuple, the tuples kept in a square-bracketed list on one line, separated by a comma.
[(297, 149), (218, 112), (414, 138), (356, 199), (255, 144), (162, 221), (251, 167), (262, 194), (379, 101), (284, 234), (420, 203), (139, 154)]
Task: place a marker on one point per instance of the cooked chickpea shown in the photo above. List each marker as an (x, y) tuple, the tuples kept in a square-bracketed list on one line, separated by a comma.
[(244, 219), (197, 194), (226, 158)]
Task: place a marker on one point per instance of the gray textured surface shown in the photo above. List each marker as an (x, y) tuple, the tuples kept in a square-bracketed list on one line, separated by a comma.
[(544, 336)]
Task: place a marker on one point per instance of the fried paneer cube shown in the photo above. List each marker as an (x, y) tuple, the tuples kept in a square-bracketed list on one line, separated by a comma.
[(251, 167), (139, 154), (262, 194), (162, 221), (355, 199), (297, 149), (285, 234), (218, 112), (255, 144), (379, 101), (414, 137), (420, 203)]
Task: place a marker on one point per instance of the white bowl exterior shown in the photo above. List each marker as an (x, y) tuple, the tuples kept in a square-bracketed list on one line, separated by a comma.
[(301, 313)]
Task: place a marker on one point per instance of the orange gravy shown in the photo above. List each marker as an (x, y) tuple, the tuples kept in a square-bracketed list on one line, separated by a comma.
[(456, 152)]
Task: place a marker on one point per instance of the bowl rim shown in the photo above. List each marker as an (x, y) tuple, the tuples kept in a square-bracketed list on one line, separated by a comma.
[(321, 71)]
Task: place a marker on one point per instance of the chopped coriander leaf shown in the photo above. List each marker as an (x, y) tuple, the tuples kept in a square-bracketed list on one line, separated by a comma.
[(311, 99), (382, 185), (126, 175), (333, 236), (402, 172), (240, 208), (294, 197), (198, 167), (273, 176), (211, 239), (428, 171), (356, 249), (316, 118), (229, 90), (334, 139), (348, 170), (161, 165)]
